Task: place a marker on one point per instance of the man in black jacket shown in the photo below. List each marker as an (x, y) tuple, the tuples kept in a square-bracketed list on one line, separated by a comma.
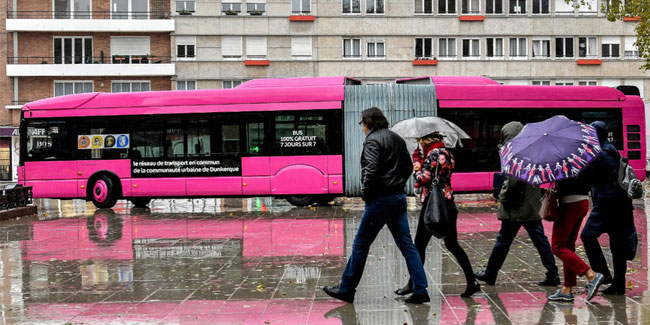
[(385, 168)]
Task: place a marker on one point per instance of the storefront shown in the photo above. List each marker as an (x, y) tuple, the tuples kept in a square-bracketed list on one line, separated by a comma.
[(9, 149)]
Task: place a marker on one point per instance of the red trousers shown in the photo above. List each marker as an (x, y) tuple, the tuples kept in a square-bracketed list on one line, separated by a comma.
[(563, 242)]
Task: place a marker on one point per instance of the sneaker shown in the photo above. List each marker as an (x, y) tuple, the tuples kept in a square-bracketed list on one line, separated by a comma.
[(334, 292), (593, 286), (559, 296)]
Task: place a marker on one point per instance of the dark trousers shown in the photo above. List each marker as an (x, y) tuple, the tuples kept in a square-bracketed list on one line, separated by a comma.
[(390, 211), (565, 233), (622, 223), (422, 238), (507, 233)]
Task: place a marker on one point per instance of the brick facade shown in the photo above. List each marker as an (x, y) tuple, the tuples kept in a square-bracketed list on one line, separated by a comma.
[(6, 84)]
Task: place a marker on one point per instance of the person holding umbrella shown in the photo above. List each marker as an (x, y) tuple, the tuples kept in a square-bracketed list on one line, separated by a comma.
[(519, 204)]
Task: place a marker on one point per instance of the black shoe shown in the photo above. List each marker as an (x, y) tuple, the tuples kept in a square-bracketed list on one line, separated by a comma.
[(418, 298), (550, 281), (607, 280), (614, 291), (335, 293), (405, 290), (485, 278), (471, 289)]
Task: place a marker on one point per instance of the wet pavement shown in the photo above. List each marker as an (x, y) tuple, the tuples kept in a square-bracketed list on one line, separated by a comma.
[(261, 261)]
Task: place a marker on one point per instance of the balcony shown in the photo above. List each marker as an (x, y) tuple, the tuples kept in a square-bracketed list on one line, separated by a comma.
[(89, 21), (87, 66)]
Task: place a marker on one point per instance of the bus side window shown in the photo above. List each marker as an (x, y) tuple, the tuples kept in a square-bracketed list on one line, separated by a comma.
[(255, 138), (174, 143), (230, 138), (148, 143), (198, 142)]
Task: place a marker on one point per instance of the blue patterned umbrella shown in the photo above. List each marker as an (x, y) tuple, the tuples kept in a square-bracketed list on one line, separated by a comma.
[(551, 150)]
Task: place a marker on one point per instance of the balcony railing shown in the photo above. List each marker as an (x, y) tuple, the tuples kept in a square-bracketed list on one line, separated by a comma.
[(115, 59), (137, 15)]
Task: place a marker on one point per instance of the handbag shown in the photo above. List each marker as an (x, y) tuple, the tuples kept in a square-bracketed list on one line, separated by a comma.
[(436, 217), (549, 209)]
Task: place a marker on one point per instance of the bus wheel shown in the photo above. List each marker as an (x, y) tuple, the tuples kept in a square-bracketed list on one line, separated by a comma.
[(301, 200), (140, 202), (103, 192)]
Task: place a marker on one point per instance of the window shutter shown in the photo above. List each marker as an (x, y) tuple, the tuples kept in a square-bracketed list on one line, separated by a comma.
[(256, 46), (611, 40), (130, 45), (185, 40), (629, 43), (301, 46), (562, 7), (231, 46)]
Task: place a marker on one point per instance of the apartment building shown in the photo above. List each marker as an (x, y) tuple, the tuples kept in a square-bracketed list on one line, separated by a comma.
[(62, 47)]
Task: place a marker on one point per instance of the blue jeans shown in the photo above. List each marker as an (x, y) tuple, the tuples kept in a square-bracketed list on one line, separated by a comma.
[(380, 211)]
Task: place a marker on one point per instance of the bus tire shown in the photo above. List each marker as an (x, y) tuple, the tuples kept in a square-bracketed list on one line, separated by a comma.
[(301, 200), (140, 202), (103, 192)]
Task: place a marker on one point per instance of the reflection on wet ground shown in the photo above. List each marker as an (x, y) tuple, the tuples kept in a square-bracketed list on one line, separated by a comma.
[(261, 261)]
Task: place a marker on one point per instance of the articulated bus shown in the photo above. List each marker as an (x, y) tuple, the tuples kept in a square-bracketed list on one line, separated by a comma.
[(274, 137)]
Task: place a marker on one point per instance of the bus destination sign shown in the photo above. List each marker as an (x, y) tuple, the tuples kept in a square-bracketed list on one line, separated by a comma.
[(170, 167)]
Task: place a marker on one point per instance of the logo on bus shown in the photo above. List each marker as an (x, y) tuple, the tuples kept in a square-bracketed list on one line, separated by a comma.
[(84, 142), (103, 141)]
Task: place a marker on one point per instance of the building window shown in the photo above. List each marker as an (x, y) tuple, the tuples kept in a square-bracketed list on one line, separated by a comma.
[(423, 48), (446, 6), (470, 6), (517, 6), (564, 83), (256, 47), (185, 47), (73, 50), (541, 7), (351, 6), (130, 49), (494, 47), (471, 48), (228, 84), (130, 86), (541, 82), (587, 47), (588, 7), (564, 47), (255, 7), (424, 6), (541, 48), (301, 47), (75, 9), (375, 6), (300, 6), (351, 48), (518, 47), (447, 47), (230, 8), (631, 51), (564, 8), (587, 83), (185, 7), (494, 6), (376, 49), (231, 47), (62, 88), (129, 9), (611, 46), (186, 85)]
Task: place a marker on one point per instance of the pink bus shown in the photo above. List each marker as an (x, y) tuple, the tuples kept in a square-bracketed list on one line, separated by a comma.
[(273, 137)]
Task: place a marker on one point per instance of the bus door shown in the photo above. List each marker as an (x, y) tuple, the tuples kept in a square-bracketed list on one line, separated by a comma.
[(256, 162)]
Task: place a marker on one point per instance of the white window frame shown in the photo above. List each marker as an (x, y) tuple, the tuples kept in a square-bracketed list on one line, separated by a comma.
[(609, 41), (257, 56), (129, 9), (540, 82), (519, 49), (91, 82), (573, 47), (295, 56), (541, 41), (71, 10), (564, 83), (185, 83), (131, 82), (524, 12), (433, 9), (470, 10), (231, 3), (631, 51), (494, 6), (352, 39), (232, 83), (472, 56), (233, 57), (587, 83), (375, 13), (185, 6), (415, 46), (256, 4), (588, 39), (300, 10), (455, 48), (374, 43), (186, 41), (489, 40), (446, 12), (532, 7), (564, 5), (83, 49), (352, 13)]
